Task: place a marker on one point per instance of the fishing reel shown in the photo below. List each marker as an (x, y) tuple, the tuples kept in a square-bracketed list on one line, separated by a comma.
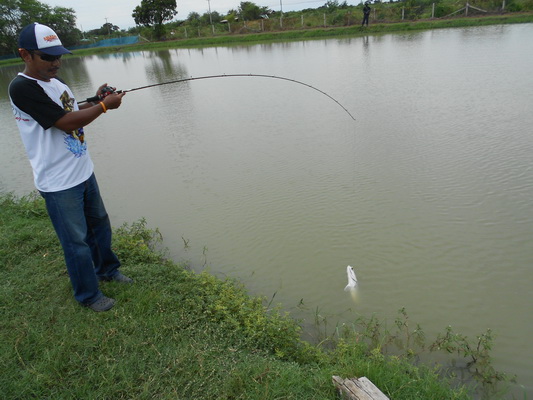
[(104, 92)]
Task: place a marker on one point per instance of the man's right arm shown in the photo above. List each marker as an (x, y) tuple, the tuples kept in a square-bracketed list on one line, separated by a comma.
[(30, 98)]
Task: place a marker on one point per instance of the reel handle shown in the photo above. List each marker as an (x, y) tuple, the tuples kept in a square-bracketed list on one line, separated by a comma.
[(106, 91)]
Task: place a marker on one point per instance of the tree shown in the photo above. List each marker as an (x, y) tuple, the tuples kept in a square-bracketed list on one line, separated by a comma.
[(63, 22), (9, 17), (232, 16), (154, 13), (193, 18), (331, 5), (104, 30), (250, 11), (16, 14)]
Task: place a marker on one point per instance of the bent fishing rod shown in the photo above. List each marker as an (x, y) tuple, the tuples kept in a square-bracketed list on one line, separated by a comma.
[(108, 90)]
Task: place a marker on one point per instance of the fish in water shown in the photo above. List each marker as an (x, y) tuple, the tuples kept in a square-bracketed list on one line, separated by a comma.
[(352, 279)]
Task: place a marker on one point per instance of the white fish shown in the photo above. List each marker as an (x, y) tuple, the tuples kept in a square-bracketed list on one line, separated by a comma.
[(352, 279)]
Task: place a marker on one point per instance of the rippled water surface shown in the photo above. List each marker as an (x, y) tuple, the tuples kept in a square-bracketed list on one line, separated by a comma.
[(428, 194)]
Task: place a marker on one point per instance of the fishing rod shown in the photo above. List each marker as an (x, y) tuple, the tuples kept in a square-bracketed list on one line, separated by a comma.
[(108, 90)]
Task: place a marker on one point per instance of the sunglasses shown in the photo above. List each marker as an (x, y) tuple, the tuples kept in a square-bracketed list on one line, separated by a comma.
[(47, 57)]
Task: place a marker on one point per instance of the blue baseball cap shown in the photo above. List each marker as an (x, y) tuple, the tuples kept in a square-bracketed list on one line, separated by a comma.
[(41, 37)]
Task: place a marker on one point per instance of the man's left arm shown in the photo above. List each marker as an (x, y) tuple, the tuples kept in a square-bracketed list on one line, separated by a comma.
[(78, 119)]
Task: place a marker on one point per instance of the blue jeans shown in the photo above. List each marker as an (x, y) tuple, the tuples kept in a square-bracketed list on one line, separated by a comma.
[(83, 228)]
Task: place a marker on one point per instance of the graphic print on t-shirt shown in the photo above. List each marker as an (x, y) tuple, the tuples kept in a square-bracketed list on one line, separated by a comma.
[(74, 140)]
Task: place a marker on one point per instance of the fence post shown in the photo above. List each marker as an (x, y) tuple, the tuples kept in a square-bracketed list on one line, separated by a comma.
[(186, 34), (433, 11), (503, 5), (466, 9), (303, 18), (403, 13), (325, 20)]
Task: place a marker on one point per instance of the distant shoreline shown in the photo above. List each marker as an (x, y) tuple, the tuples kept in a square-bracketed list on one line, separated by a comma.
[(308, 34)]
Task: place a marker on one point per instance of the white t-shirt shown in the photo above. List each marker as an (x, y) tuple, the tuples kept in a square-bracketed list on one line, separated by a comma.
[(60, 160)]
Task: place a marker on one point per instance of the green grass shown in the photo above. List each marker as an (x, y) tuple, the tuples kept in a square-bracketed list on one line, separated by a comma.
[(319, 33), (174, 334)]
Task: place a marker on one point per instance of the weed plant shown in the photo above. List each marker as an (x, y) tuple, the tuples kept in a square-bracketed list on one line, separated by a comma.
[(176, 334)]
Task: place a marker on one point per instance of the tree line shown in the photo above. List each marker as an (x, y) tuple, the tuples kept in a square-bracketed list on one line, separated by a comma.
[(151, 14), (154, 18), (16, 14)]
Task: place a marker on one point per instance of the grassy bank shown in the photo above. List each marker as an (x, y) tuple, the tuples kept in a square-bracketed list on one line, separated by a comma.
[(174, 334), (319, 33), (340, 31)]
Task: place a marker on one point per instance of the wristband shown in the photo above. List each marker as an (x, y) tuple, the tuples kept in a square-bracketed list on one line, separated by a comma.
[(104, 108)]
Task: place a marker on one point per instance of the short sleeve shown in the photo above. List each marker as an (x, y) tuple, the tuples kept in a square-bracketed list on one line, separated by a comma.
[(29, 97)]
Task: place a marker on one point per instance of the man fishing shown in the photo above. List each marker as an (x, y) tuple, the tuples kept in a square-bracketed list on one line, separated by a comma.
[(51, 126)]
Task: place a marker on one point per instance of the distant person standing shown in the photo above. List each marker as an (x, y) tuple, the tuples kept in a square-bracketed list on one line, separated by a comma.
[(366, 14)]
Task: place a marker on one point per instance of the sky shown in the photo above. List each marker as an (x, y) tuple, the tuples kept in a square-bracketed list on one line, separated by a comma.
[(95, 13)]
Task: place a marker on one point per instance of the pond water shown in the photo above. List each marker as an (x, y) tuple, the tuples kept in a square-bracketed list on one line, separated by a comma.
[(428, 194)]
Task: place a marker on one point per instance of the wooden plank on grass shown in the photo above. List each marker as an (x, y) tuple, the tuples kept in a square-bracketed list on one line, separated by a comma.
[(358, 389)]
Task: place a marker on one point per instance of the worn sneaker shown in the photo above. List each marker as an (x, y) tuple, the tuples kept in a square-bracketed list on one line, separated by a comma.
[(120, 277), (102, 304)]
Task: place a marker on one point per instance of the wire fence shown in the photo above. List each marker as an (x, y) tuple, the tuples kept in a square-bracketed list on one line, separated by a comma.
[(120, 41), (380, 13)]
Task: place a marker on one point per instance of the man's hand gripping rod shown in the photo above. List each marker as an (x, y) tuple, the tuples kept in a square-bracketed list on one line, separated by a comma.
[(104, 92)]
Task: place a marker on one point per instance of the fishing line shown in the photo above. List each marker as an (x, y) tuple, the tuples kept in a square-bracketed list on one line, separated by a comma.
[(96, 98)]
